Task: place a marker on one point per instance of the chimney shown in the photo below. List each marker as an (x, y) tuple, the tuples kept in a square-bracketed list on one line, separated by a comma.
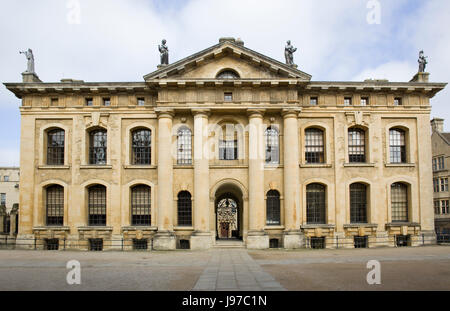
[(437, 125)]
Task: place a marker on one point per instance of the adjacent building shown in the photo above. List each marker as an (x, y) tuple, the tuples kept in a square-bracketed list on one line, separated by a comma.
[(9, 198), (226, 144), (441, 163)]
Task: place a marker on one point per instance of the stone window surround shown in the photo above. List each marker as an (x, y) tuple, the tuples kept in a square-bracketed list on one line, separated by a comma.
[(43, 144)]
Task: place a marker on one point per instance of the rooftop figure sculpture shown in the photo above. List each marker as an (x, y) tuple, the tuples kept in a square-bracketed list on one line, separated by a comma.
[(164, 50), (289, 53), (422, 62), (30, 65)]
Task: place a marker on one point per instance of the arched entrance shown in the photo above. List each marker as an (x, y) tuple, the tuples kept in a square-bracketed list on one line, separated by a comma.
[(228, 210)]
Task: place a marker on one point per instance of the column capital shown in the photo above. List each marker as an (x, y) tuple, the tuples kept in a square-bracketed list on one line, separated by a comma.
[(291, 112), (165, 113), (201, 112), (255, 113)]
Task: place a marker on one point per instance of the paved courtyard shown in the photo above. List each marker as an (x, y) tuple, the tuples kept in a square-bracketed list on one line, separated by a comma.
[(423, 268)]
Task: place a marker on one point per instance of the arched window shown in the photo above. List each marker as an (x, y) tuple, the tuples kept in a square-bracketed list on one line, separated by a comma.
[(356, 145), (184, 146), (55, 205), (272, 145), (228, 144), (273, 208), (97, 147), (97, 205), (314, 146), (184, 209), (141, 205), (397, 145), (358, 203), (315, 204), (55, 147), (399, 202), (228, 74), (141, 147)]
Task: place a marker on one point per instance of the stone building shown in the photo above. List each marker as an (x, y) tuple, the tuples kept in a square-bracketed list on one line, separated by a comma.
[(226, 143), (9, 199), (441, 163)]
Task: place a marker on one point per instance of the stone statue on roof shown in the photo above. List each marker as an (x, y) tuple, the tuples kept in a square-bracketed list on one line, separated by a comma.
[(289, 53), (30, 58), (164, 50), (422, 62)]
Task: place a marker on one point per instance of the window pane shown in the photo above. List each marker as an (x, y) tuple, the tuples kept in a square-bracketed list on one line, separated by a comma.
[(272, 146), (397, 146), (141, 206), (273, 207), (228, 149), (399, 202), (97, 205), (184, 148), (314, 146), (356, 146), (55, 147), (184, 209), (97, 150), (358, 203), (315, 204), (141, 147), (55, 205)]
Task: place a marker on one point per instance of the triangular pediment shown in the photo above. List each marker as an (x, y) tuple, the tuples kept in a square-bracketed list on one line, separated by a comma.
[(227, 55)]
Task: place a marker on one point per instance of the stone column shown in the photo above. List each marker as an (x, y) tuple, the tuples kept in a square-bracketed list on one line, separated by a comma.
[(2, 217), (292, 234), (165, 238), (13, 216), (256, 239), (202, 238)]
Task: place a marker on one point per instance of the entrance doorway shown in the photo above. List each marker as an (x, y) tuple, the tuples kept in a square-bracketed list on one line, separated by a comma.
[(228, 208)]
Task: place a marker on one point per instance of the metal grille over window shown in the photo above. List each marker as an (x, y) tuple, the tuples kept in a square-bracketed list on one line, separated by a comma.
[(184, 148), (358, 203), (97, 205), (141, 145), (228, 149), (356, 146), (272, 146), (315, 204), (97, 147), (273, 207), (55, 147), (55, 205), (397, 146), (399, 202), (184, 209), (314, 146), (141, 205)]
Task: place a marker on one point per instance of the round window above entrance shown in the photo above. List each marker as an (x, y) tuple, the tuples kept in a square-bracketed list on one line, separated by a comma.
[(228, 74)]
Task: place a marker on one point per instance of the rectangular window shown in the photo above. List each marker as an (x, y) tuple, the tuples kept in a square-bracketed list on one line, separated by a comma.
[(95, 244), (361, 241), (140, 244), (445, 207), (434, 164), (441, 163), (397, 101), (228, 150), (403, 240), (2, 199), (89, 102), (106, 102), (313, 101), (141, 101), (364, 101), (314, 146), (6, 178), (54, 102), (51, 244), (347, 101), (436, 184), (318, 243), (437, 208), (228, 97)]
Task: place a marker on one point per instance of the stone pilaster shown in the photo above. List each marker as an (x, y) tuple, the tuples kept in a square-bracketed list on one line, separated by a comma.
[(202, 238), (165, 238), (256, 236), (292, 211)]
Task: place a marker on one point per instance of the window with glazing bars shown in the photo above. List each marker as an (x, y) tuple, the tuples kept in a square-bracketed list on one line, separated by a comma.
[(55, 205), (228, 149), (314, 146), (441, 163), (399, 202), (437, 207), (315, 204), (397, 146), (184, 146), (55, 147), (97, 205), (141, 205), (97, 147), (358, 203), (356, 146), (184, 209), (272, 146), (273, 207), (142, 147)]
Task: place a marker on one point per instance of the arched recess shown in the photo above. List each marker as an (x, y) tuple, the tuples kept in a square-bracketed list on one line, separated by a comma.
[(128, 141), (330, 211), (125, 210), (327, 142), (43, 142), (86, 144), (367, 133), (39, 208), (85, 186), (413, 198), (228, 73), (371, 206), (409, 136)]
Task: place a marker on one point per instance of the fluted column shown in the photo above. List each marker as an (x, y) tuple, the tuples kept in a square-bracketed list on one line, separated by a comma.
[(202, 238), (256, 236), (165, 239), (291, 179)]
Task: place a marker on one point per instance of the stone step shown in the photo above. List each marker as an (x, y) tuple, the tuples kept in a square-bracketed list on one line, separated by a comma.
[(229, 244)]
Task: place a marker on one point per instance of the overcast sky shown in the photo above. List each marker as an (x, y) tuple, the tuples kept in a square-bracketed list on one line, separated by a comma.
[(116, 40)]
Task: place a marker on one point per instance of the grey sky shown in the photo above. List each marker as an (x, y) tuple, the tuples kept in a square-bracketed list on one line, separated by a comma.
[(116, 40)]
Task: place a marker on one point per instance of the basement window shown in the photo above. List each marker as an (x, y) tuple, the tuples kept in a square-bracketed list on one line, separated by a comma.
[(274, 243), (318, 243), (403, 240), (96, 245), (140, 244), (51, 244), (184, 244), (361, 241)]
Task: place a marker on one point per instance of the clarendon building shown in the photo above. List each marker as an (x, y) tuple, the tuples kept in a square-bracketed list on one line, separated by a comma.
[(226, 144)]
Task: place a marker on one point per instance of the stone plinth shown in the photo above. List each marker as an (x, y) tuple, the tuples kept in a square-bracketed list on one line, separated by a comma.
[(201, 241), (293, 240), (164, 241), (421, 77), (257, 240), (30, 77)]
